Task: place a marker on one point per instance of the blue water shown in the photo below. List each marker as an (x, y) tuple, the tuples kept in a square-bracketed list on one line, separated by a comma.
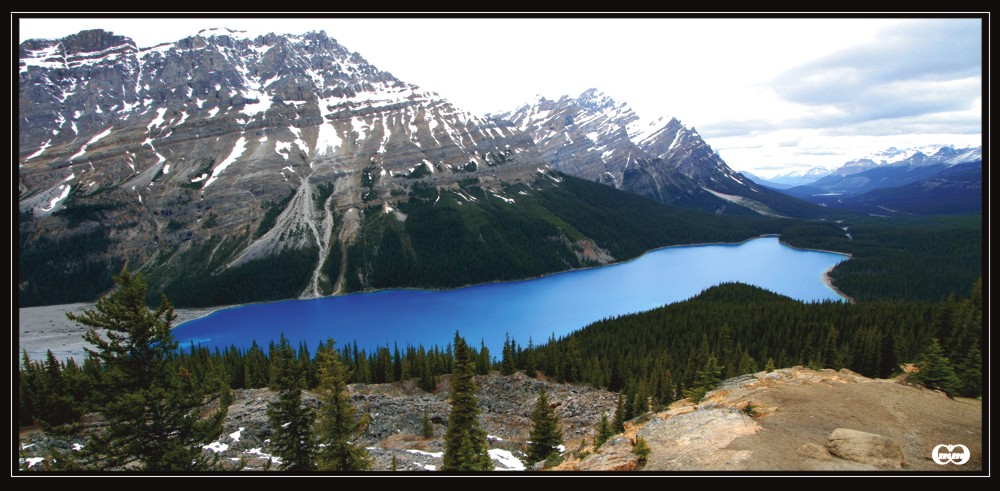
[(554, 304)]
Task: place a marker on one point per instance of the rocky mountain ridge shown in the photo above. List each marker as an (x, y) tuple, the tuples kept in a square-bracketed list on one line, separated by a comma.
[(594, 137), (227, 149)]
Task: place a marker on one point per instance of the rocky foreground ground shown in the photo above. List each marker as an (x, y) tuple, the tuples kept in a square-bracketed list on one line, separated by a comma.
[(799, 419)]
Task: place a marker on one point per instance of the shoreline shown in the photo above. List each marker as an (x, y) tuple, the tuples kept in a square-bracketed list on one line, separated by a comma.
[(45, 328)]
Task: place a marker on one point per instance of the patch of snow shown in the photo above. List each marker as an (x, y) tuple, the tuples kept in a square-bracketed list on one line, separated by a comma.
[(158, 120), (92, 141), (506, 460), (212, 112), (252, 109), (494, 437), (40, 150), (216, 447), (54, 201), (200, 178), (235, 436), (32, 461), (238, 149), (430, 467), (77, 447)]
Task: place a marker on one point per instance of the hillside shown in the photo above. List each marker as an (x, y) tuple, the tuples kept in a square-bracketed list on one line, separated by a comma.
[(796, 409)]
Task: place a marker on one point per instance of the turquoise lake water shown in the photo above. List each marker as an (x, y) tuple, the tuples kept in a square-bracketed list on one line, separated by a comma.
[(555, 304)]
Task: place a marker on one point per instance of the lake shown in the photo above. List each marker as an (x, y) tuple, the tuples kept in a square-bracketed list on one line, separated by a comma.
[(554, 304)]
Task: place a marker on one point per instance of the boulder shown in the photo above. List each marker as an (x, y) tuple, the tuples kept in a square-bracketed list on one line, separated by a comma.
[(868, 448), (814, 451)]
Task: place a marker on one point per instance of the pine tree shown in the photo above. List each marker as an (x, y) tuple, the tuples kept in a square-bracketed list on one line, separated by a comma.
[(970, 373), (483, 365), (426, 429), (705, 380), (465, 447), (936, 371), (619, 422), (545, 433), (57, 406), (337, 426), (507, 362), (290, 421), (152, 407), (604, 431)]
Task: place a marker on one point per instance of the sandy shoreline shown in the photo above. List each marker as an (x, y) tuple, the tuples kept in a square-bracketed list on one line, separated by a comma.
[(40, 329)]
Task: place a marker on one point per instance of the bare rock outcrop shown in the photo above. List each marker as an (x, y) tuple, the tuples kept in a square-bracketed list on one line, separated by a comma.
[(868, 448)]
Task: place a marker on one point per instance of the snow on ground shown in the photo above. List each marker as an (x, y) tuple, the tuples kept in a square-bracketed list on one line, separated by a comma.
[(77, 447), (252, 109), (238, 149), (235, 436), (216, 447), (54, 201), (157, 121), (506, 461), (40, 150), (92, 141), (31, 461)]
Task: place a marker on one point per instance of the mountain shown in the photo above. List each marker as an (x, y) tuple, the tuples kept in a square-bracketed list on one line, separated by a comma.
[(233, 169), (954, 190), (594, 137), (891, 168), (800, 177)]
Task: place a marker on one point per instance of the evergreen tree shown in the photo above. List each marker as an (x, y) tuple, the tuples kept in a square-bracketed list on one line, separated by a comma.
[(483, 365), (936, 371), (604, 431), (970, 373), (507, 366), (290, 421), (529, 360), (57, 406), (426, 429), (705, 380), (619, 422), (337, 426), (152, 407), (465, 447), (545, 433)]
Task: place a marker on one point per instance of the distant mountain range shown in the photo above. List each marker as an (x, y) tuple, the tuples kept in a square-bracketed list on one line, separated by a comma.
[(897, 170)]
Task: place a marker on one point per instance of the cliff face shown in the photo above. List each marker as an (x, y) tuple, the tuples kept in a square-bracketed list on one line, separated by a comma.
[(231, 149)]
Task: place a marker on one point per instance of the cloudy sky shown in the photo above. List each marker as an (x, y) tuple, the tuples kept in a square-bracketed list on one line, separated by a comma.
[(770, 95)]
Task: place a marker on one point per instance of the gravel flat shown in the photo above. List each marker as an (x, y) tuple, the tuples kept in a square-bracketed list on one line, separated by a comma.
[(39, 329)]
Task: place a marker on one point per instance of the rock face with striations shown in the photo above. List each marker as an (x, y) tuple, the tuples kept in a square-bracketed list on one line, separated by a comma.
[(597, 138), (227, 149)]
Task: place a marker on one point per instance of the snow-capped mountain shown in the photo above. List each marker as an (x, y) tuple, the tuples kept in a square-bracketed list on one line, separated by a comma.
[(594, 137), (801, 177), (890, 168), (224, 146)]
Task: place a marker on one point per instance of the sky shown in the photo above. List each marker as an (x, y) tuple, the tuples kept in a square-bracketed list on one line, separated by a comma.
[(770, 95)]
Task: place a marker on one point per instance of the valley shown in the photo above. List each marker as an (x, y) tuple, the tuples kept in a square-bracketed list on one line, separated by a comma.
[(354, 259)]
